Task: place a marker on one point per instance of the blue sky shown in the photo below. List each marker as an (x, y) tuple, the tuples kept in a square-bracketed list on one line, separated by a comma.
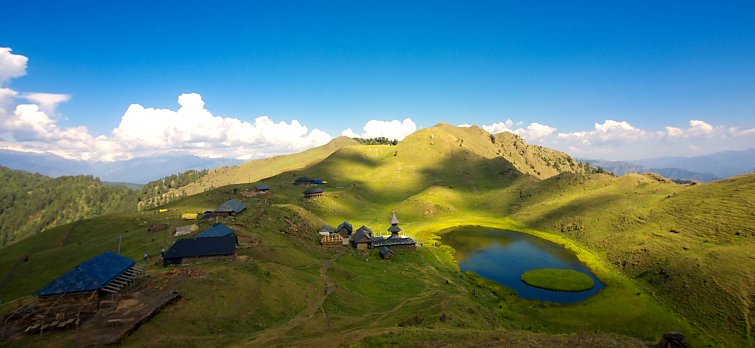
[(335, 65)]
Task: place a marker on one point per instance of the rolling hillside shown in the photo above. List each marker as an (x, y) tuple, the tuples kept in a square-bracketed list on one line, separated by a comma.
[(31, 203), (256, 170), (648, 239)]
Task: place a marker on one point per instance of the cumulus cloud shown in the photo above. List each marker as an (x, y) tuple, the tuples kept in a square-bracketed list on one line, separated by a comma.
[(46, 101), (394, 129), (26, 124), (535, 132), (620, 140), (11, 65), (196, 129), (499, 127), (147, 131)]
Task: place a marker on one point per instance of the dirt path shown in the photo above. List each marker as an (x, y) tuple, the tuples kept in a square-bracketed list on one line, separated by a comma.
[(305, 315)]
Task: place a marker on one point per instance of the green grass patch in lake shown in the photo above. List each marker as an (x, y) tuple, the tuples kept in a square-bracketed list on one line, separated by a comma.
[(558, 279)]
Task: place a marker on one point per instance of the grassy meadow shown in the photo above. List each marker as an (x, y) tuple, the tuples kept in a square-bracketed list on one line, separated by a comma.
[(647, 239)]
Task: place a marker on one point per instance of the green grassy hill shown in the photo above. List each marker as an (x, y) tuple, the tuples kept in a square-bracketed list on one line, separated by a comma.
[(673, 257), (31, 203), (256, 170)]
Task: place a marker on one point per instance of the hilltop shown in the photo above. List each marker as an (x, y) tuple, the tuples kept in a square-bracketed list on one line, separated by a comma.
[(648, 239), (259, 169)]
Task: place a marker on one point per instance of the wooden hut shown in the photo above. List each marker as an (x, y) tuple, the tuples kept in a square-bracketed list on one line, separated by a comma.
[(261, 189), (327, 230), (331, 240), (345, 230), (303, 181), (362, 238), (91, 283), (313, 192), (187, 251), (386, 253), (230, 208)]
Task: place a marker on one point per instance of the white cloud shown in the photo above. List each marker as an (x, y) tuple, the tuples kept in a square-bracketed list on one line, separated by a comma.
[(142, 131), (11, 65), (195, 129), (147, 131), (535, 132), (620, 140), (348, 132), (46, 101), (389, 129), (499, 127)]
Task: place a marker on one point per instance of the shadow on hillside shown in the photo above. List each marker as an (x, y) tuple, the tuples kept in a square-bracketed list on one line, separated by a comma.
[(569, 215)]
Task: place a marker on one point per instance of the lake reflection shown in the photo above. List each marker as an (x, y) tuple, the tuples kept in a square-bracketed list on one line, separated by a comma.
[(503, 256)]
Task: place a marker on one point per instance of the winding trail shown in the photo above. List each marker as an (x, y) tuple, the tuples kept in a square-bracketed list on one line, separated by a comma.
[(275, 333)]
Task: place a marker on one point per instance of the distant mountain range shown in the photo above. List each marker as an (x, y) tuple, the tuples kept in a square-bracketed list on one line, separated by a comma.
[(136, 171), (705, 168)]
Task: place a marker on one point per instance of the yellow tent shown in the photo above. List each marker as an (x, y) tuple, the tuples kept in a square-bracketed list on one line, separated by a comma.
[(163, 210), (189, 216)]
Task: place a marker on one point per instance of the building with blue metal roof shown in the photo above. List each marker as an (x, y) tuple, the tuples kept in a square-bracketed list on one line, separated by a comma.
[(91, 275), (186, 251), (217, 230)]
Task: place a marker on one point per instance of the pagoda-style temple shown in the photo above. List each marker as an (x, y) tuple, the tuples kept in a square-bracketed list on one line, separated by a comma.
[(395, 241)]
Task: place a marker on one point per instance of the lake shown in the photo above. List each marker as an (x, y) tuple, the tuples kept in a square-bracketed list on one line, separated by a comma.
[(503, 256)]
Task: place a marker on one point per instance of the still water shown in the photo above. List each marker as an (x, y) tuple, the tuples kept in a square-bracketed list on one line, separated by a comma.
[(503, 256)]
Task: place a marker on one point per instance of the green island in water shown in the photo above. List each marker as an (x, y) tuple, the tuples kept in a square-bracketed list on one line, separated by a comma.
[(558, 279)]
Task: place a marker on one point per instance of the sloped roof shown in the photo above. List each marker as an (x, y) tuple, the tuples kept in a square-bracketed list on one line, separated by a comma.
[(319, 181), (385, 251), (327, 228), (394, 219), (394, 229), (365, 229), (345, 225), (232, 205), (303, 179), (362, 232), (313, 191), (218, 230), (379, 242), (89, 275), (262, 187), (202, 247)]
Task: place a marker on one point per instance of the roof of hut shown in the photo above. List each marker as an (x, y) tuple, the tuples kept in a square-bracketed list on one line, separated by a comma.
[(380, 242), (231, 205), (362, 232), (385, 251), (345, 225), (217, 230), (313, 191), (89, 275), (202, 247)]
